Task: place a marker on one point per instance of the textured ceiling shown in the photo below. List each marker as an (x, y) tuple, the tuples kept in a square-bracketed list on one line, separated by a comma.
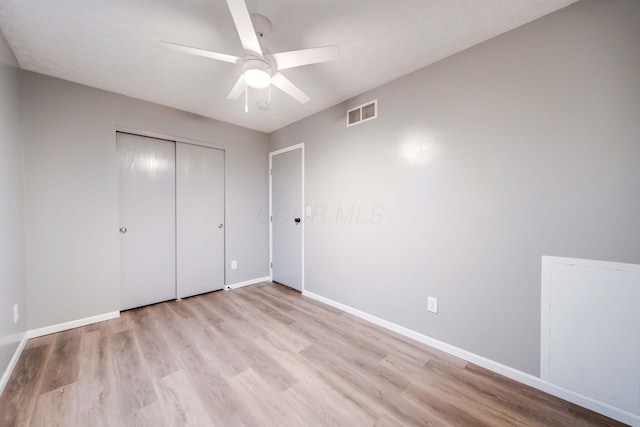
[(114, 45), (6, 55)]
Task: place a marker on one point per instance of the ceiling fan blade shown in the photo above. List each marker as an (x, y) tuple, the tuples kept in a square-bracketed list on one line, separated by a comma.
[(297, 58), (238, 88), (285, 85), (201, 52), (242, 19)]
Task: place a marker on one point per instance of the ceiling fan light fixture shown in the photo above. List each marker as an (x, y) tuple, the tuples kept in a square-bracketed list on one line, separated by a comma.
[(258, 79), (257, 73)]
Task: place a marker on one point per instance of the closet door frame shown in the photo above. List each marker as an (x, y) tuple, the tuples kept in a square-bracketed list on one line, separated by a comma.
[(166, 137), (178, 139)]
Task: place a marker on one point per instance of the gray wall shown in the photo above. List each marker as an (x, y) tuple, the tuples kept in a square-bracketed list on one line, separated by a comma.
[(523, 146), (12, 276), (71, 196)]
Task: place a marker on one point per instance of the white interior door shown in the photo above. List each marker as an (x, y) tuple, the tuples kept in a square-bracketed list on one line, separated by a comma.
[(146, 171), (286, 222), (200, 219)]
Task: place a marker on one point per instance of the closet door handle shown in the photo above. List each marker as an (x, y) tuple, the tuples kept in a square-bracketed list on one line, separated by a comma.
[(123, 230), (220, 225)]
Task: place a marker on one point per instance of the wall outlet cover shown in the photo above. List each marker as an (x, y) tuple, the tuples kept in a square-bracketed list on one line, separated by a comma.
[(432, 305), (234, 264), (16, 313)]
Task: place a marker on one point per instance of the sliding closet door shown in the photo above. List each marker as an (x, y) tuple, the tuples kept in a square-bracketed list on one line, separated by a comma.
[(200, 219), (146, 170)]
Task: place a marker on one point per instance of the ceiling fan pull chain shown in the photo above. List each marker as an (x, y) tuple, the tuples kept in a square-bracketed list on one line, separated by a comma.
[(246, 97)]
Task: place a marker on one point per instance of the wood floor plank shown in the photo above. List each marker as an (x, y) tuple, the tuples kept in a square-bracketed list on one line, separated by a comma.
[(398, 364), (261, 362), (20, 394), (153, 344), (386, 421), (95, 417), (264, 364), (434, 402), (270, 314), (213, 388), (226, 358), (149, 416), (332, 331), (119, 324), (323, 385), (134, 386), (39, 341), (278, 303), (210, 315), (494, 395), (402, 346), (273, 324), (180, 401), (370, 395), (221, 302), (319, 404), (478, 405), (558, 411), (264, 402), (260, 356), (391, 380), (63, 363), (95, 385), (56, 408)]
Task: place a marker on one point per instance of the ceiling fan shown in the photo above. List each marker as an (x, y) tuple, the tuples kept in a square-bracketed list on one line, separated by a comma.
[(260, 70)]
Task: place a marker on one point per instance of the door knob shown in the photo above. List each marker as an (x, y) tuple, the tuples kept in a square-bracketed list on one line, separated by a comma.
[(220, 225), (123, 230), (297, 220)]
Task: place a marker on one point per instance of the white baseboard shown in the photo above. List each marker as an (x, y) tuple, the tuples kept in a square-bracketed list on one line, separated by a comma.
[(250, 282), (12, 363), (522, 377), (34, 333)]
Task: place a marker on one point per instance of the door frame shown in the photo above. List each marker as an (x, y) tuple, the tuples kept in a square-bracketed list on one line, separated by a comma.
[(299, 146)]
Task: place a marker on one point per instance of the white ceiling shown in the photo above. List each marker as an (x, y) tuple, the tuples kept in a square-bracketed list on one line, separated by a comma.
[(114, 45)]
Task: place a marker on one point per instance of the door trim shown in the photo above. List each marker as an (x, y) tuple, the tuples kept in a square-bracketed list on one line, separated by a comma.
[(150, 134), (304, 213)]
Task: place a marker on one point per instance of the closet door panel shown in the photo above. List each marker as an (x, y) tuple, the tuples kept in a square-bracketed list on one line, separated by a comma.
[(200, 219), (146, 168)]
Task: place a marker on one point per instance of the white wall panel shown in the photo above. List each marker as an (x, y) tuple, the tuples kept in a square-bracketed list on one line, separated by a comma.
[(590, 338)]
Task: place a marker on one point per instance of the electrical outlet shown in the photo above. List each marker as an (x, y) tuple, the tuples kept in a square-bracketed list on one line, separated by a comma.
[(432, 305), (234, 264), (16, 313)]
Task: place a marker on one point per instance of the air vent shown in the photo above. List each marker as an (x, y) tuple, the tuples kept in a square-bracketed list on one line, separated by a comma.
[(362, 113)]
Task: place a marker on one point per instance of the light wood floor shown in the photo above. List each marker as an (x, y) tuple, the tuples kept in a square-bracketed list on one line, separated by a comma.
[(260, 355)]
